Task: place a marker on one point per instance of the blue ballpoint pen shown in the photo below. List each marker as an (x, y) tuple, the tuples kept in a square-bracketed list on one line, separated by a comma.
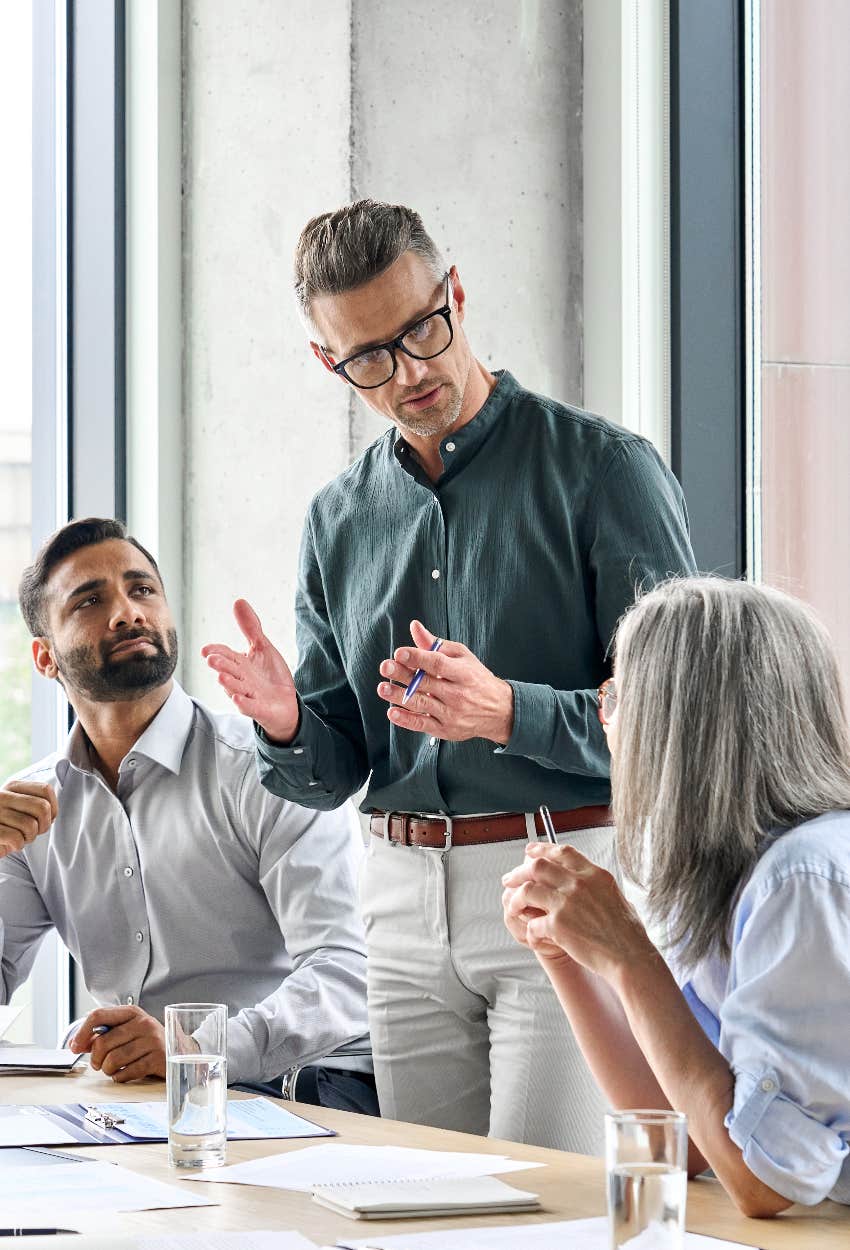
[(419, 674)]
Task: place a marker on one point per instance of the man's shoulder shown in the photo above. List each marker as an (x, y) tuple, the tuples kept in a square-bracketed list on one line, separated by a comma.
[(43, 771), (572, 422), (226, 733)]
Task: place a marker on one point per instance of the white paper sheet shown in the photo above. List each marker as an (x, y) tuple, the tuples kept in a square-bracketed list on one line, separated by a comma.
[(284, 1240), (17, 1057), (247, 1119), (85, 1186), (8, 1016), (336, 1163), (27, 1126), (563, 1235)]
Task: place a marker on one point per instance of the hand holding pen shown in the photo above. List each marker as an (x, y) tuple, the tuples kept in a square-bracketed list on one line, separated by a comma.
[(438, 687)]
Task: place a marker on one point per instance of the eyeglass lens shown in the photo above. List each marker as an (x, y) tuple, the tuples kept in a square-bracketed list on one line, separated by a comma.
[(428, 338)]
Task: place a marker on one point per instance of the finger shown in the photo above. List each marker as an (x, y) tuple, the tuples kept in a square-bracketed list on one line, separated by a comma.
[(422, 702), (218, 649), (436, 663), (20, 822), (223, 664), (11, 840), (151, 1065), (38, 789), (532, 894), (233, 685), (120, 1056), (415, 723), (248, 622), (111, 1016), (425, 640), (398, 672), (30, 807)]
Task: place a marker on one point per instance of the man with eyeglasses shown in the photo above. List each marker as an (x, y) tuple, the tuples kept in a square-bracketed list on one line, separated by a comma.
[(491, 538)]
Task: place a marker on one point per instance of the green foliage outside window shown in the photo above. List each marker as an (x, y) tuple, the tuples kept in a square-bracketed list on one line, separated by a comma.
[(15, 687)]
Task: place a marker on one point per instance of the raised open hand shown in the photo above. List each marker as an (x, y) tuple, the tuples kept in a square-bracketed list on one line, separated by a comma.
[(258, 680)]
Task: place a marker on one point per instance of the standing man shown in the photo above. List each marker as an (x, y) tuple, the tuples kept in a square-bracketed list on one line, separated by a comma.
[(515, 529)]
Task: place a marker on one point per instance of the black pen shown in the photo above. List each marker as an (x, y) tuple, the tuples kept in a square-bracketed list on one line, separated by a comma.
[(34, 1232)]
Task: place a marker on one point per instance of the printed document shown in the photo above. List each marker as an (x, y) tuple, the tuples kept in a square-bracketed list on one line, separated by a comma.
[(564, 1235)]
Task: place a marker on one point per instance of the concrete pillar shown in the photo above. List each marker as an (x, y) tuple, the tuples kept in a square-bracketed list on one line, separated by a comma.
[(472, 114)]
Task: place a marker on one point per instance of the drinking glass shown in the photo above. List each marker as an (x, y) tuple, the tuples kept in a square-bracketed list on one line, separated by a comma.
[(196, 1082), (646, 1165)]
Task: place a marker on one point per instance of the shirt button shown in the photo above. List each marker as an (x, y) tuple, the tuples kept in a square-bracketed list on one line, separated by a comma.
[(450, 446), (433, 741), (129, 1000), (435, 573), (298, 751), (128, 872), (131, 763), (140, 937), (768, 1085)]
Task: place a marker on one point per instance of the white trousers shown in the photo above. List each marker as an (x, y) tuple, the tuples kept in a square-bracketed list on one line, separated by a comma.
[(467, 1032)]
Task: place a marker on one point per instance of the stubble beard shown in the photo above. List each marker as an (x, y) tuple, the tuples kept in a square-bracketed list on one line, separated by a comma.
[(90, 671), (432, 421)]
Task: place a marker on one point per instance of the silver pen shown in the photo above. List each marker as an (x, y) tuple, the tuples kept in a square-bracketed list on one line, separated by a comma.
[(548, 827)]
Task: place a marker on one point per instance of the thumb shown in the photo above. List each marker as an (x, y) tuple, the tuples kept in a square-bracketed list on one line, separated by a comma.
[(248, 622), (422, 637)]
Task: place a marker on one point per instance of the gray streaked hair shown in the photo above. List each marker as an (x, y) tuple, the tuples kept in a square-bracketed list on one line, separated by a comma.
[(730, 724), (341, 250)]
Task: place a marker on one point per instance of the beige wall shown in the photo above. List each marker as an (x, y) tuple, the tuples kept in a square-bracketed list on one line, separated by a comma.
[(805, 103)]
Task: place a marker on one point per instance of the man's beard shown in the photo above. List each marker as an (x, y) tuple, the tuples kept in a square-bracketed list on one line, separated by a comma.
[(431, 421), (102, 680)]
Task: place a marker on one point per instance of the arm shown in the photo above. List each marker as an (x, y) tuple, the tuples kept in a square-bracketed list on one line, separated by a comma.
[(24, 923), (582, 911), (635, 534), (308, 868), (309, 734)]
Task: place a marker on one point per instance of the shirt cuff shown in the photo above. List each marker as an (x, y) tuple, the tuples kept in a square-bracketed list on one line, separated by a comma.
[(796, 1155), (533, 709), (296, 761), (243, 1053)]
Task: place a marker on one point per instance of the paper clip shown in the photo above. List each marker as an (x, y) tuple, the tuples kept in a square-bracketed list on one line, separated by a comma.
[(102, 1118)]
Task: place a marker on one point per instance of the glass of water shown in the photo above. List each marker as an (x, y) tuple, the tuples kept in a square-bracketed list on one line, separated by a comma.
[(646, 1155), (196, 1082)]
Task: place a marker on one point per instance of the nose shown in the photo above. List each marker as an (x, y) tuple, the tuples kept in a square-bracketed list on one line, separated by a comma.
[(409, 371), (127, 611)]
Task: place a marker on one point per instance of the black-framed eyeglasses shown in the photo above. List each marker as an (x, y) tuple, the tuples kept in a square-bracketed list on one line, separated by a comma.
[(428, 337)]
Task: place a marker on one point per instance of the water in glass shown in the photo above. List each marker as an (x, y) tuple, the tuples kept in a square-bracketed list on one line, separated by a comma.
[(646, 1202), (197, 1110)]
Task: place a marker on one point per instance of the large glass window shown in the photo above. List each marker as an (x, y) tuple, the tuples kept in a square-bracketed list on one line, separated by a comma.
[(802, 348)]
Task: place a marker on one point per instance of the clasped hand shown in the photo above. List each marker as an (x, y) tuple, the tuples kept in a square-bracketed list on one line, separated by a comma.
[(563, 906), (133, 1047), (458, 698)]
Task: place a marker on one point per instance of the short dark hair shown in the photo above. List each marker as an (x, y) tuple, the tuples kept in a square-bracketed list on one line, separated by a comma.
[(70, 538), (341, 250)]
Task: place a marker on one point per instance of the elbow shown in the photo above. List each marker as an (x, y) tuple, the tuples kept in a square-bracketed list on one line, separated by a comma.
[(759, 1202)]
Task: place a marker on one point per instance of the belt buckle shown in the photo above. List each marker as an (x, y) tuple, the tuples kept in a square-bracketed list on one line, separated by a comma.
[(449, 822), (387, 838)]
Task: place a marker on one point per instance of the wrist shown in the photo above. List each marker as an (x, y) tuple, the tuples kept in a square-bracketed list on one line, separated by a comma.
[(504, 718)]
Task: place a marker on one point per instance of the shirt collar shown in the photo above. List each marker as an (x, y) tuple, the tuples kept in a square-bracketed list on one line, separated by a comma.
[(163, 741), (467, 440)]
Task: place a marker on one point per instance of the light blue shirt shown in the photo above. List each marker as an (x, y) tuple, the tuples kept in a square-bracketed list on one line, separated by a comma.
[(779, 1012)]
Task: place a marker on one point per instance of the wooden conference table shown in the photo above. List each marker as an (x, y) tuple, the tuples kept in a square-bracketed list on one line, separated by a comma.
[(570, 1186)]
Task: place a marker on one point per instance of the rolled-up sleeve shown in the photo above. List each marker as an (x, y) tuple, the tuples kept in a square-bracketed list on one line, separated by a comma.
[(784, 1028)]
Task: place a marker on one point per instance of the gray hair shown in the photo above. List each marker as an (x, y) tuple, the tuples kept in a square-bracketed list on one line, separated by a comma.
[(341, 250), (730, 724)]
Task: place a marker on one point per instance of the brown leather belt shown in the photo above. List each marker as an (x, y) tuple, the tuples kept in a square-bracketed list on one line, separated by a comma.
[(441, 832)]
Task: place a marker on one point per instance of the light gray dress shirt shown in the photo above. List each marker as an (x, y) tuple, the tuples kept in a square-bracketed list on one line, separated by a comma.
[(194, 884)]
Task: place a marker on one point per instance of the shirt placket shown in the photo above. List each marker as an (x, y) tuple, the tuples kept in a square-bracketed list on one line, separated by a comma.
[(130, 884)]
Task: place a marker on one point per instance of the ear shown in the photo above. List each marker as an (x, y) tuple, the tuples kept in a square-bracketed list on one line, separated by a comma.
[(42, 656), (320, 354), (457, 295)]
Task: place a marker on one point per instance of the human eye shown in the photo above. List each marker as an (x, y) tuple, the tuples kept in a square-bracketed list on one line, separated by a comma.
[(143, 590), (421, 331), (85, 603), (367, 359)]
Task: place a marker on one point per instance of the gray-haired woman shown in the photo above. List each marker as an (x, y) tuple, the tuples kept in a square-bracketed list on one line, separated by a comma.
[(731, 781)]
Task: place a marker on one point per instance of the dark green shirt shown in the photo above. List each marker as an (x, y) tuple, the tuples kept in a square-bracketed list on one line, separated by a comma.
[(528, 549)]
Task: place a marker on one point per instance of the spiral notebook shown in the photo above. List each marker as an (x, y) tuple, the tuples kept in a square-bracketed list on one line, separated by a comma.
[(398, 1200)]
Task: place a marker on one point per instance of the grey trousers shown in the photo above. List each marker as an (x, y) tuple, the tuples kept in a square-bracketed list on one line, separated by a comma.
[(467, 1032)]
